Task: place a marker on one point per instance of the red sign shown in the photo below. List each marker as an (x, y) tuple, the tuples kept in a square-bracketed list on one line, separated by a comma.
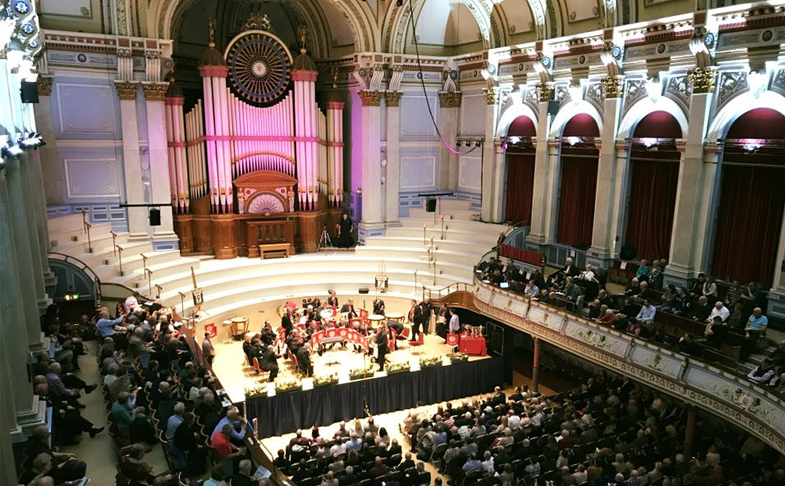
[(211, 329)]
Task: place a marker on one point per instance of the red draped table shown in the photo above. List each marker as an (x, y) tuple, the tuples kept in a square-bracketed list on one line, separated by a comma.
[(472, 345)]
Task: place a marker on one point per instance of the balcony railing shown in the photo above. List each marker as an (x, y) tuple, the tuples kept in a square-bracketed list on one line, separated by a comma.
[(730, 396)]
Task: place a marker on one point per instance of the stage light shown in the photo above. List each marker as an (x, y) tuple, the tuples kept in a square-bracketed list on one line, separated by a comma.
[(751, 144), (649, 142), (11, 151), (515, 139), (70, 296), (574, 140)]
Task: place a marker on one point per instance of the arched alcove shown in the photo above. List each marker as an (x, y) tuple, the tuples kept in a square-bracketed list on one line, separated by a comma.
[(652, 187), (578, 158), (519, 154), (752, 198)]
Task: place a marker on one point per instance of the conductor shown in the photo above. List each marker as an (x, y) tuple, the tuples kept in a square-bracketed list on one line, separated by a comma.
[(381, 345)]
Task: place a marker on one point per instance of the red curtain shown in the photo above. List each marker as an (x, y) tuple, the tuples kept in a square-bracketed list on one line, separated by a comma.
[(653, 187), (576, 203), (520, 188), (749, 223)]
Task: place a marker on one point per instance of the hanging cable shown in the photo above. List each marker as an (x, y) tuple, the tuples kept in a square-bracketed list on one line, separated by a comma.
[(425, 92)]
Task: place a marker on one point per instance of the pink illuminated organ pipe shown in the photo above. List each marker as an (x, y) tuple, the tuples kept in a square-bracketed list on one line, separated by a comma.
[(209, 132)]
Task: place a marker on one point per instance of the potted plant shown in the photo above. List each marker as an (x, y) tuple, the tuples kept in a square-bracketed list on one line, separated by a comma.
[(393, 368), (430, 362), (255, 391), (458, 357), (360, 373), (287, 385), (323, 380)]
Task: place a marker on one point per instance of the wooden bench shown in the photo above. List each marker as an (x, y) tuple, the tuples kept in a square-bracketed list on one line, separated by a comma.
[(274, 250)]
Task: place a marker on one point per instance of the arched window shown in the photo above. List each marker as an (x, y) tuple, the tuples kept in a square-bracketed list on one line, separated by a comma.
[(579, 158), (519, 153), (752, 197), (654, 180)]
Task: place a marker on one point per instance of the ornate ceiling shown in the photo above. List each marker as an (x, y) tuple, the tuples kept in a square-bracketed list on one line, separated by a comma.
[(341, 27)]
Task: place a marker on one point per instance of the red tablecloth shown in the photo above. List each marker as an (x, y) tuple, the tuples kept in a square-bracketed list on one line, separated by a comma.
[(473, 345)]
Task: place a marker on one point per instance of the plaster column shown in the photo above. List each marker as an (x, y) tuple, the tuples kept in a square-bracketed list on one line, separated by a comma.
[(542, 169), (393, 175), (619, 195), (132, 163), (696, 187), (689, 432), (18, 314), (536, 366), (777, 292), (490, 162), (154, 94), (609, 187), (371, 159), (54, 183), (499, 178), (28, 272), (34, 214), (449, 114)]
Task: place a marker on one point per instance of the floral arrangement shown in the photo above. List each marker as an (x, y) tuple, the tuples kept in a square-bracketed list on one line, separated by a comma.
[(360, 373), (430, 362), (393, 368), (323, 380), (288, 384), (458, 357), (255, 391)]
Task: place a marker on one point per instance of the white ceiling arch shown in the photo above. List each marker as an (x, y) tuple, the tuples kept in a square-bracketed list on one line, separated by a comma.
[(163, 13)]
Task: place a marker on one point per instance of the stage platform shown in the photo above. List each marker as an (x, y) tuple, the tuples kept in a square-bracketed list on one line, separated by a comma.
[(289, 411)]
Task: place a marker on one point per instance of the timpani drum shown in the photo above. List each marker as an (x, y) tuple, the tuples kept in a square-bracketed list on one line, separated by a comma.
[(239, 327), (227, 326), (327, 314), (375, 320), (395, 316)]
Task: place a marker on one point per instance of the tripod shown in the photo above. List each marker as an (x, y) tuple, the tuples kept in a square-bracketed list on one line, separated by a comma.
[(325, 241)]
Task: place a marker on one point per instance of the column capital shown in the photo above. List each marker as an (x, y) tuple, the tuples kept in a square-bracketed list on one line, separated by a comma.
[(126, 90), (44, 85), (450, 99), (492, 96), (155, 91), (612, 86), (393, 98), (702, 79), (545, 92), (371, 98)]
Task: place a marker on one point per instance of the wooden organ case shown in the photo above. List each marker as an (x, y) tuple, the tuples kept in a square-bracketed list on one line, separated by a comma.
[(255, 162)]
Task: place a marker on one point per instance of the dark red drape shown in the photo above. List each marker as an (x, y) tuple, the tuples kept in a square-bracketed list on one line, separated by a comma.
[(749, 223), (576, 204), (520, 187), (653, 188)]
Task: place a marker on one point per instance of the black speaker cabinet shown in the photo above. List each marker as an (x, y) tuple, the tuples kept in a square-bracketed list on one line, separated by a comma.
[(155, 217), (29, 92)]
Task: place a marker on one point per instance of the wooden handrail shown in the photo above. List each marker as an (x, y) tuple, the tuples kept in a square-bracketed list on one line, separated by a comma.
[(149, 275), (114, 242), (120, 257), (158, 290)]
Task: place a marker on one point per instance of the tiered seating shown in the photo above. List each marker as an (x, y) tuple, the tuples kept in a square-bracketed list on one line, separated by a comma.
[(230, 285)]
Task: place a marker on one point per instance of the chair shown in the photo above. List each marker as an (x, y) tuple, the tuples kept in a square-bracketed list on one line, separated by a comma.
[(256, 366), (423, 478), (394, 460)]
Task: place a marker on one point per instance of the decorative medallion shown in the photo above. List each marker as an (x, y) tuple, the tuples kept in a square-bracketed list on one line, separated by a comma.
[(21, 7), (27, 28), (259, 68)]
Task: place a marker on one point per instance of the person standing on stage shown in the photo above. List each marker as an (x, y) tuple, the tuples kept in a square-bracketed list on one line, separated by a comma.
[(345, 230), (287, 320), (269, 362), (378, 306), (332, 300), (455, 322), (348, 308), (381, 345), (207, 349), (426, 311)]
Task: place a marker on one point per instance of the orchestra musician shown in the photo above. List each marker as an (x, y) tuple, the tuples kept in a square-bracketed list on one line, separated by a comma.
[(348, 308), (332, 300), (269, 362), (378, 306)]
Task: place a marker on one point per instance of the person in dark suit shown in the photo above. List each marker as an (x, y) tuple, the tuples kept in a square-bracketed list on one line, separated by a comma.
[(378, 306), (425, 315), (286, 320), (332, 300), (498, 396), (381, 345), (349, 478), (348, 307), (304, 360), (269, 362), (569, 269)]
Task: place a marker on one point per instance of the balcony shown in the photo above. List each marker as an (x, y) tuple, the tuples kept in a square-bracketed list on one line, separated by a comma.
[(728, 395)]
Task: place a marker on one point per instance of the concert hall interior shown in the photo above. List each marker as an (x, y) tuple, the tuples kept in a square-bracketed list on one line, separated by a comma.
[(392, 242)]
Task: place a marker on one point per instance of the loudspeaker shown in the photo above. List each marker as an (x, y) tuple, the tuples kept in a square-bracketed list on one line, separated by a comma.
[(553, 107), (155, 217), (430, 205), (363, 290), (29, 92)]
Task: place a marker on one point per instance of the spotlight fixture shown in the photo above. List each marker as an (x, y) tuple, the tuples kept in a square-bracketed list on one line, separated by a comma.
[(649, 142), (71, 295), (574, 140), (11, 151)]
